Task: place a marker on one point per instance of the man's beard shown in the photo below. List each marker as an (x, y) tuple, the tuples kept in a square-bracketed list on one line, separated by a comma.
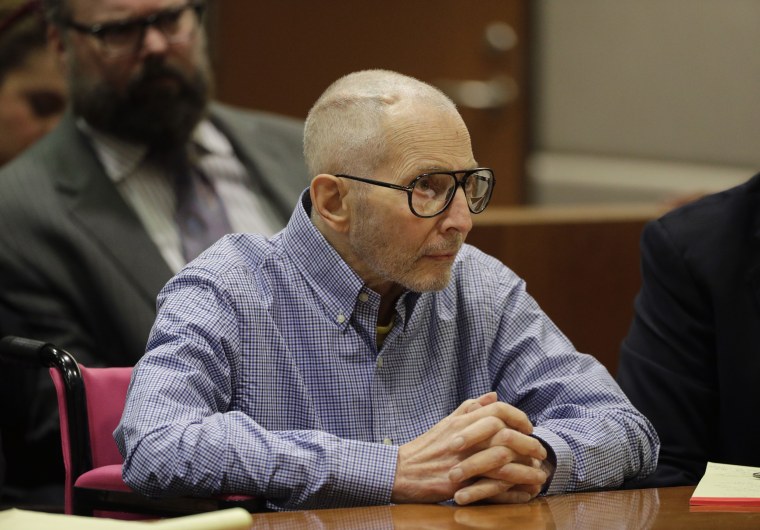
[(160, 108), (370, 240)]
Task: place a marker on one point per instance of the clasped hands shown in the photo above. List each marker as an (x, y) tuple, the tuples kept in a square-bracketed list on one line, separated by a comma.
[(482, 451)]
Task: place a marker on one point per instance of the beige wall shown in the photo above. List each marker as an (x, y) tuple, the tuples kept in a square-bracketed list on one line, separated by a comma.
[(672, 80), (676, 79)]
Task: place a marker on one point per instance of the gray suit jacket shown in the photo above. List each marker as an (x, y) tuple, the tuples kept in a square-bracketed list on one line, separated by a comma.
[(78, 269)]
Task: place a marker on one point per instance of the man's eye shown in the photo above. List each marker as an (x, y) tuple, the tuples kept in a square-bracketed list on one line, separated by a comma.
[(45, 103), (119, 33), (167, 20)]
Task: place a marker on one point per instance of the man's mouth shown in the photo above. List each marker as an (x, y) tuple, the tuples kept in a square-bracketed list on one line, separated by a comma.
[(447, 254)]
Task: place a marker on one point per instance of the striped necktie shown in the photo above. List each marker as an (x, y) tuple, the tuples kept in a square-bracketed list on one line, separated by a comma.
[(200, 215)]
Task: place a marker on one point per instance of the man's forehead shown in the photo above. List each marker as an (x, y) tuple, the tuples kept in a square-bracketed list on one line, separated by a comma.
[(409, 165), (422, 144)]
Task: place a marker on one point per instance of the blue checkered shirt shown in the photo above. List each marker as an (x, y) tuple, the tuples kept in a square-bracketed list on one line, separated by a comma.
[(262, 376)]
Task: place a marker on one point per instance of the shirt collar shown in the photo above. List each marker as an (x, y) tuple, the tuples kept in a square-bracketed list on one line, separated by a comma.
[(211, 139), (338, 285), (120, 158)]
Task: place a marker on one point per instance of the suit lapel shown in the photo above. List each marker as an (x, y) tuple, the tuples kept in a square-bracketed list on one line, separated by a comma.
[(103, 216), (259, 158)]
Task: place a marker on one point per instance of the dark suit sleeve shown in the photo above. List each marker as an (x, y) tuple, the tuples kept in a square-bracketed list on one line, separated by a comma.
[(49, 291), (667, 360), (30, 420)]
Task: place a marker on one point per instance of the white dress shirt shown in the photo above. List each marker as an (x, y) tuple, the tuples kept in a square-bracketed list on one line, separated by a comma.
[(148, 188)]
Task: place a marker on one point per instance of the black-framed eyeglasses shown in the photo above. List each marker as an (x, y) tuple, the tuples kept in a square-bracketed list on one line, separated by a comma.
[(126, 37), (430, 194)]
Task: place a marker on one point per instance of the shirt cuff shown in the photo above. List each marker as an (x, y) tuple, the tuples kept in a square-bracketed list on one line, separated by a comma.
[(367, 473), (563, 458)]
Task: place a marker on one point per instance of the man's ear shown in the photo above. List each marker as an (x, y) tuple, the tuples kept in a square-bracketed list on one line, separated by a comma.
[(329, 200)]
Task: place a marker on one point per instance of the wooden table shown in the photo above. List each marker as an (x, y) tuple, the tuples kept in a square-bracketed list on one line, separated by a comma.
[(606, 510)]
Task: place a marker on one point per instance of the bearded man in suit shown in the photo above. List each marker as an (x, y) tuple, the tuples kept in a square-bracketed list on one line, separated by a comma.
[(89, 227)]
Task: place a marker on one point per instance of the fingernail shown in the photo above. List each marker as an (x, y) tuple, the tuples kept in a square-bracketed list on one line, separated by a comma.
[(523, 497), (462, 498), (455, 475)]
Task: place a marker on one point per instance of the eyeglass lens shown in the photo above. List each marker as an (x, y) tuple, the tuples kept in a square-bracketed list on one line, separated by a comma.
[(177, 25), (432, 192)]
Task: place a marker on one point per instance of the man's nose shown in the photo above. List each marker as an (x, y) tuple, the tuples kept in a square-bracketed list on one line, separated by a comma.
[(457, 216), (154, 41)]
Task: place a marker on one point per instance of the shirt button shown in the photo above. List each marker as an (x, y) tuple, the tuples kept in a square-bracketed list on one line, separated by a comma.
[(363, 297), (387, 441), (341, 319), (380, 362)]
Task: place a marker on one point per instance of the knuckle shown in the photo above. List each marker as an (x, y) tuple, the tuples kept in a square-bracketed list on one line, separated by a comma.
[(494, 423), (513, 413), (507, 435), (506, 408), (503, 455)]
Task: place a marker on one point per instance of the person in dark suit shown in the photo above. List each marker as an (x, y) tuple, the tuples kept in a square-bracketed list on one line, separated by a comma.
[(691, 360), (89, 231)]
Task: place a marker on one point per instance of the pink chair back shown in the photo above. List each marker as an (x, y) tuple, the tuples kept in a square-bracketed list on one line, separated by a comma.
[(106, 393)]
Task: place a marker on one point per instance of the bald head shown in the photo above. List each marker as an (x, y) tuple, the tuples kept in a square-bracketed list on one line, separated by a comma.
[(346, 129)]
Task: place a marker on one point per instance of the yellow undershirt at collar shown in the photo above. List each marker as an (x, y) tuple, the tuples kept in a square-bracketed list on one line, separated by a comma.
[(382, 332)]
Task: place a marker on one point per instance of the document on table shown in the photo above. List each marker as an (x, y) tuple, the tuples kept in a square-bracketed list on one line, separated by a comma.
[(727, 485), (229, 519)]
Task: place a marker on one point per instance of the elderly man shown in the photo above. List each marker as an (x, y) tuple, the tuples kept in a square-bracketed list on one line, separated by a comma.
[(365, 355), (141, 174)]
